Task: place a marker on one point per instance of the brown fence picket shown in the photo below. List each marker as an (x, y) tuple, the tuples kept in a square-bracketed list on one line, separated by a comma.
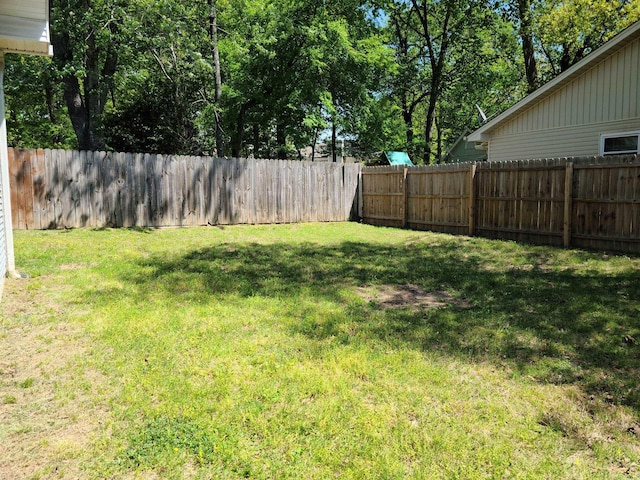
[(584, 202)]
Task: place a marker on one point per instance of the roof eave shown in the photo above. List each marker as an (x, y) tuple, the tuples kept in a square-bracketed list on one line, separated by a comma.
[(26, 34)]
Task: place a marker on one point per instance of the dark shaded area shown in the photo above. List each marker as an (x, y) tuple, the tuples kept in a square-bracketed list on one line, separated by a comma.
[(552, 325)]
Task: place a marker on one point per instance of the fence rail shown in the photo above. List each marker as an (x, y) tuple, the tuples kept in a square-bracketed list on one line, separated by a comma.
[(584, 202), (68, 189)]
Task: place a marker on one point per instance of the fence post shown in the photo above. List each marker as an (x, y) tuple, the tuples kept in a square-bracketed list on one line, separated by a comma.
[(568, 197), (360, 195), (405, 199), (472, 199)]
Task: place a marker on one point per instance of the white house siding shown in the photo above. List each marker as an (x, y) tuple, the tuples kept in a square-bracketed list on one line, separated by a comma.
[(33, 9), (569, 122), (3, 244)]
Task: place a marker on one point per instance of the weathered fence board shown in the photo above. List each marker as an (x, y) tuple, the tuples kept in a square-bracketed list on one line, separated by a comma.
[(524, 203), (68, 189), (606, 206), (438, 199), (585, 202), (383, 192)]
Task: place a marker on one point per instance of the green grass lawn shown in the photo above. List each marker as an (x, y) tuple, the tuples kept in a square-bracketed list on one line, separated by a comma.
[(246, 352)]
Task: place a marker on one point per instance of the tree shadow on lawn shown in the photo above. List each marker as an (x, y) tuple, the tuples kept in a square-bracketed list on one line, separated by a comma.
[(558, 326)]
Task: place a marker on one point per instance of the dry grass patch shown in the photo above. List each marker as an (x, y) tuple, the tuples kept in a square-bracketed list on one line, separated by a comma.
[(408, 296), (47, 417)]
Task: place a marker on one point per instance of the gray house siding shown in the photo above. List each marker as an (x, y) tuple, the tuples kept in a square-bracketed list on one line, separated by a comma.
[(464, 151)]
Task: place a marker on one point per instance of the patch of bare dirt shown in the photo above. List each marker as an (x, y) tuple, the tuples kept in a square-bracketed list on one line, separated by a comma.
[(47, 415), (408, 296)]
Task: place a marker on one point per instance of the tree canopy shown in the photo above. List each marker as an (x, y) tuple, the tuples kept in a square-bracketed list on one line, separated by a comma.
[(268, 78)]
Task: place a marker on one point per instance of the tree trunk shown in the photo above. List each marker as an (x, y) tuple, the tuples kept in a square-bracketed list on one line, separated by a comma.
[(428, 129), (528, 49), (334, 153), (313, 147), (438, 142), (238, 138), (434, 95), (78, 114), (402, 52), (437, 56), (281, 141), (86, 100), (407, 116), (213, 33), (256, 140)]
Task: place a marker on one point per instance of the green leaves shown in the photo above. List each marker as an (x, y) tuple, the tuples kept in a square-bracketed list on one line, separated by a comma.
[(36, 116), (569, 30), (141, 75)]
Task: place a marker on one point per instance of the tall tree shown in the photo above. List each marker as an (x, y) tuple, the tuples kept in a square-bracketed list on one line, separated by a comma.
[(521, 12), (409, 82), (449, 31), (84, 35), (568, 30), (490, 76), (213, 35), (309, 61), (164, 91)]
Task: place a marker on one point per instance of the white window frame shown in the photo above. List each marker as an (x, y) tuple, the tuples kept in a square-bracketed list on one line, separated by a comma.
[(604, 136)]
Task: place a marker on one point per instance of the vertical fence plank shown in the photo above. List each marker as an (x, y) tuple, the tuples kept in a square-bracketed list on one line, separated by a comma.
[(568, 195), (95, 161), (405, 197), (57, 179), (472, 198), (15, 184), (37, 177)]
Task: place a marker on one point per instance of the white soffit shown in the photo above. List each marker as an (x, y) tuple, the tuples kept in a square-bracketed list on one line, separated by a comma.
[(24, 27)]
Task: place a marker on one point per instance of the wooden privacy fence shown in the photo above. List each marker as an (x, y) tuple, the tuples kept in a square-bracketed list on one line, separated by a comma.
[(585, 202), (67, 189)]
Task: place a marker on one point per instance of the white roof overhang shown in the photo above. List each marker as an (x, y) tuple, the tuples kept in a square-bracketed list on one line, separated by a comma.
[(618, 42), (24, 27)]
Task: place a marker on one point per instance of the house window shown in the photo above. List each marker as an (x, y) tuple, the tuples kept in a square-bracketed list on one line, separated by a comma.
[(620, 143)]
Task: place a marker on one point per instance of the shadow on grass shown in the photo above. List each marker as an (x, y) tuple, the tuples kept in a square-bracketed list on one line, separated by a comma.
[(558, 326)]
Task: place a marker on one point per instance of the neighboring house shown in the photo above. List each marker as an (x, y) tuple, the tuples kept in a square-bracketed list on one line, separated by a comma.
[(589, 109), (463, 151), (24, 28)]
